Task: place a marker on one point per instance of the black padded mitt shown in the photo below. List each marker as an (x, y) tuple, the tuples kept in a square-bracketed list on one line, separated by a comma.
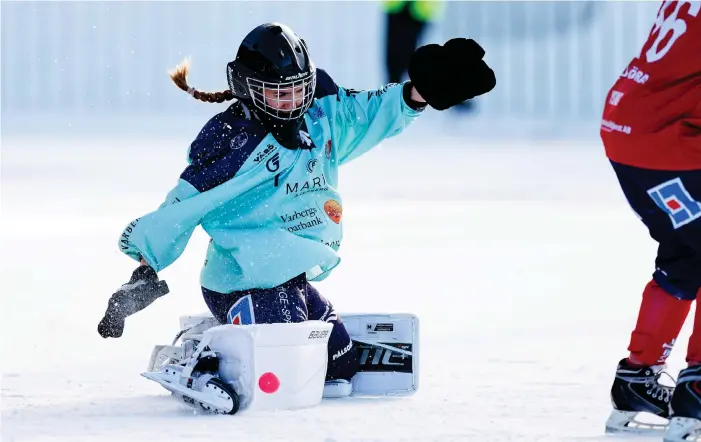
[(450, 74)]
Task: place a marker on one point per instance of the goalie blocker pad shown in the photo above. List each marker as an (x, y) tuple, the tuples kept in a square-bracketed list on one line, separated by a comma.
[(388, 346)]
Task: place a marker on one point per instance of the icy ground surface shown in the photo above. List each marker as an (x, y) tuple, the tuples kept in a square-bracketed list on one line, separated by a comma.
[(523, 262)]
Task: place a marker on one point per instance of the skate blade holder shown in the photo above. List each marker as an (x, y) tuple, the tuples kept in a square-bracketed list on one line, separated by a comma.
[(683, 429), (273, 366), (635, 423)]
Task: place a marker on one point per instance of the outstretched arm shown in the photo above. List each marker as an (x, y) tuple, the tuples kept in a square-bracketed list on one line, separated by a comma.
[(363, 119), (160, 237), (440, 77), (157, 239), (134, 240)]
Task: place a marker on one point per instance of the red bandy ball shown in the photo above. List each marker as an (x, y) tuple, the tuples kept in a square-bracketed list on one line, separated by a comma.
[(268, 383)]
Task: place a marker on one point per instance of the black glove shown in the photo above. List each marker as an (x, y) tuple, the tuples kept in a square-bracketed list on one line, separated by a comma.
[(142, 289), (450, 74)]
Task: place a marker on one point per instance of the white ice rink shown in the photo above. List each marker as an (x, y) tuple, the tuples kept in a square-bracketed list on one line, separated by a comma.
[(523, 262)]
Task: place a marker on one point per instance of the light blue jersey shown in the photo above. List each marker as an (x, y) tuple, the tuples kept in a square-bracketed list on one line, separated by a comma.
[(272, 213)]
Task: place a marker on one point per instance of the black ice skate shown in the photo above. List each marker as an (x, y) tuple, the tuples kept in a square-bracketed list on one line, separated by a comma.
[(685, 424), (637, 390)]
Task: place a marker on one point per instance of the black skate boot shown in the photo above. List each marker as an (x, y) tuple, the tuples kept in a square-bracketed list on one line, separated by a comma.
[(637, 390), (685, 424)]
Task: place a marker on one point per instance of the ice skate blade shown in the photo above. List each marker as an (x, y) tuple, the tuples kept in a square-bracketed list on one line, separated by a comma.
[(215, 403), (626, 422), (683, 429)]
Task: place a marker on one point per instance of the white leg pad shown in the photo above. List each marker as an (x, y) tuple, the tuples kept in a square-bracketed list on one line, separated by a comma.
[(273, 366), (389, 353)]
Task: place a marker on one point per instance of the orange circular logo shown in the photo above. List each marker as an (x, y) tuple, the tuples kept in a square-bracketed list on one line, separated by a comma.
[(334, 210)]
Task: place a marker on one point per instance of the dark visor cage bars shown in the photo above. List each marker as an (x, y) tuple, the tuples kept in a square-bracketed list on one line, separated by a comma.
[(290, 91)]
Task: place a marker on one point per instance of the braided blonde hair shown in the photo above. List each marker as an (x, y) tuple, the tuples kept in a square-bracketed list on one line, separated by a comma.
[(179, 77)]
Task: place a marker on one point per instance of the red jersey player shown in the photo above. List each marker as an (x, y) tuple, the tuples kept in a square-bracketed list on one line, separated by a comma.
[(651, 130)]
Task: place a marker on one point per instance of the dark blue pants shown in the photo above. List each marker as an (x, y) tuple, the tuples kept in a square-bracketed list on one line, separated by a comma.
[(294, 301), (666, 202)]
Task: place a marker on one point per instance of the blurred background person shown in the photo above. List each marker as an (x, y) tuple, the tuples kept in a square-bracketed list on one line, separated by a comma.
[(405, 25)]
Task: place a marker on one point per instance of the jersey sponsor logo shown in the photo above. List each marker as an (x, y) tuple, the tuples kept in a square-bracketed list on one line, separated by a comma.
[(302, 219), (381, 91), (239, 141), (317, 112), (334, 210), (615, 98), (273, 164), (610, 126), (124, 239), (334, 244), (298, 214), (305, 139), (633, 73), (673, 198), (311, 164), (241, 313), (313, 184), (302, 225), (263, 154), (284, 301)]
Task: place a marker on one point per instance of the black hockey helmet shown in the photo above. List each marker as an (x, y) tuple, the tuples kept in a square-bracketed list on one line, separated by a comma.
[(272, 61)]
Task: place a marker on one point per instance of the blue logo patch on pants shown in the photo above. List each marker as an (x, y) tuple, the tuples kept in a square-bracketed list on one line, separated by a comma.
[(672, 197), (241, 313)]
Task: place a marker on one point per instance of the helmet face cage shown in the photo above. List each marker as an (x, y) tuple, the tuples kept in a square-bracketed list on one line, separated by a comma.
[(298, 93)]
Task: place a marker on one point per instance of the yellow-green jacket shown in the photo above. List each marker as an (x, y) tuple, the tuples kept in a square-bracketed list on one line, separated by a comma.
[(421, 10)]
